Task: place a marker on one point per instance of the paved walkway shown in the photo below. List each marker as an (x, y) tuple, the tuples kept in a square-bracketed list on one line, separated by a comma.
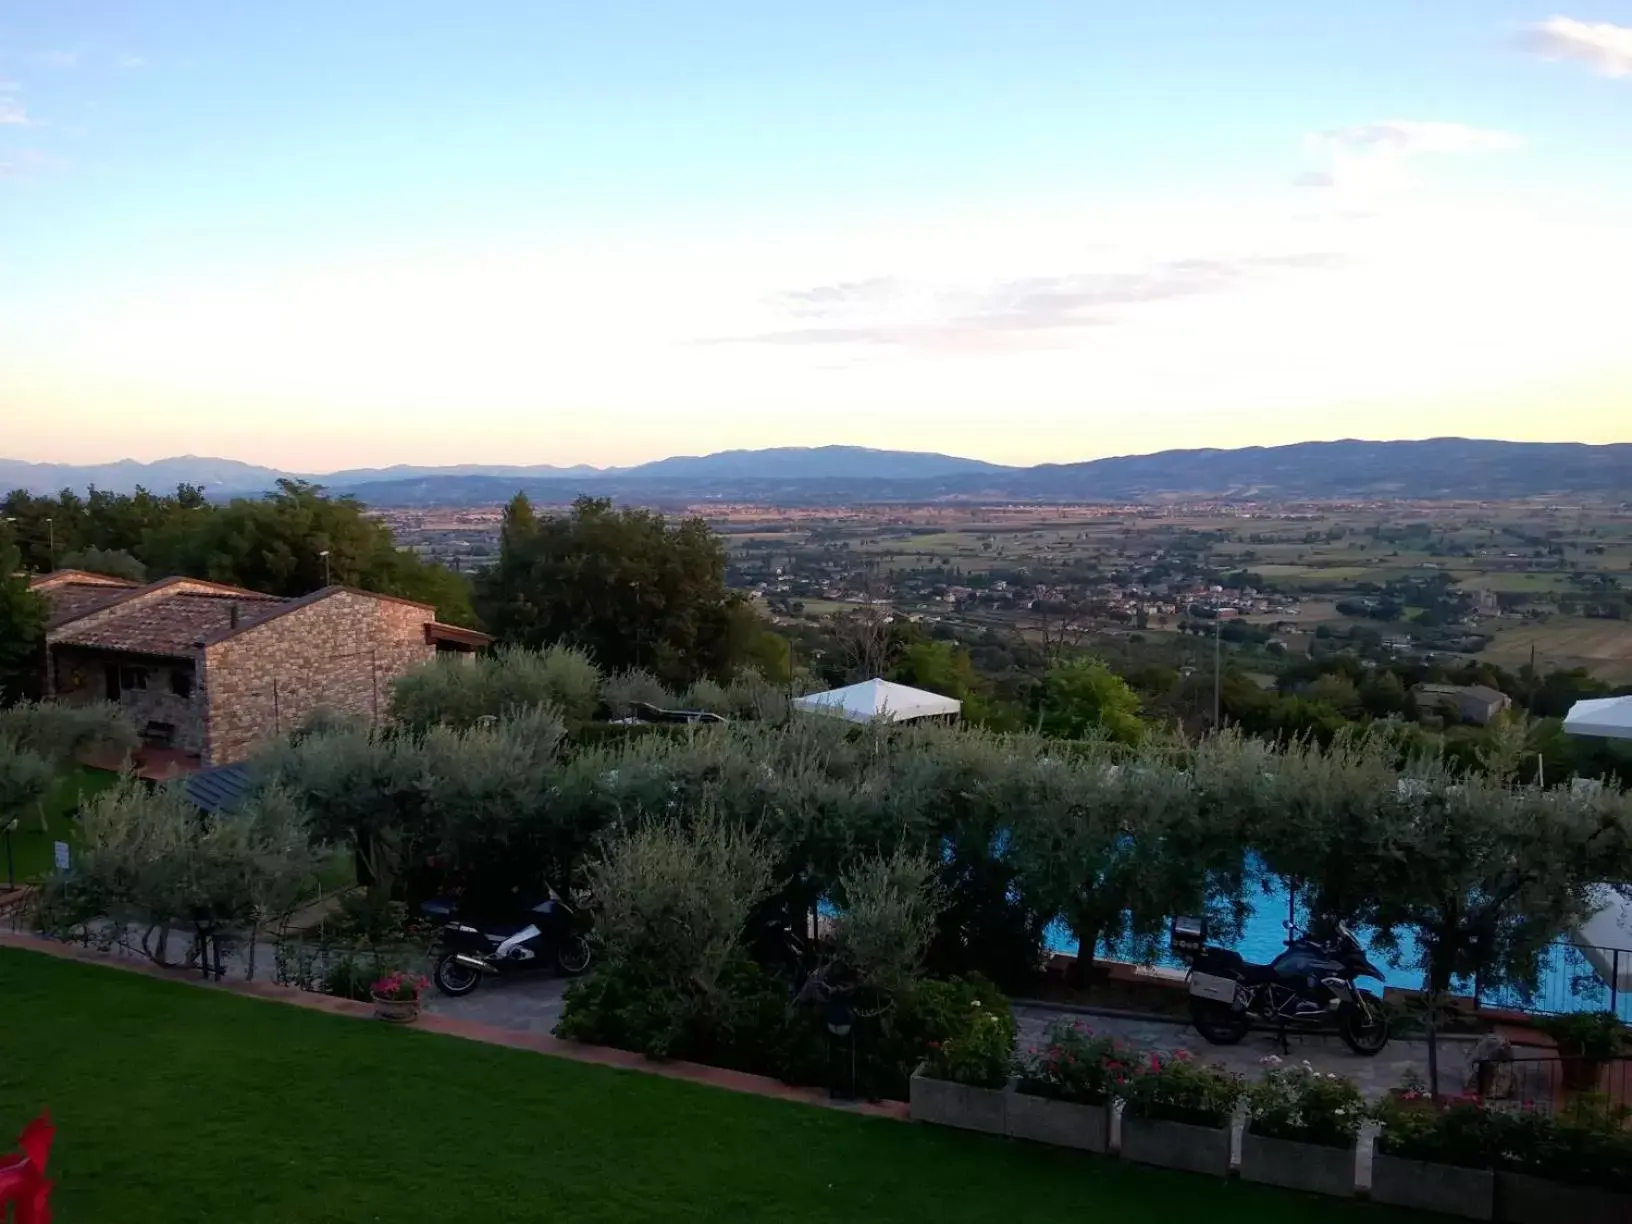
[(527, 1003)]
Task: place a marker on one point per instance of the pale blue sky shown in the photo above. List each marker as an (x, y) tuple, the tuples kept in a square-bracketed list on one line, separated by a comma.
[(319, 234)]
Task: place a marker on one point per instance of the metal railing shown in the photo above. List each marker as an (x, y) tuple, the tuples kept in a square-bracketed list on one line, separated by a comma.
[(1573, 978), (1550, 1083)]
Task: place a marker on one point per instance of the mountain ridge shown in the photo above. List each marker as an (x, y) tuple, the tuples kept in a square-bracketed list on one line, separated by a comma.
[(1431, 468)]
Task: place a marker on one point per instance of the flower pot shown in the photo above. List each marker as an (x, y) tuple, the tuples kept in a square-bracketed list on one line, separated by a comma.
[(1469, 1193), (1313, 1167), (1524, 1199), (1176, 1145), (1061, 1123), (396, 1011), (964, 1106)]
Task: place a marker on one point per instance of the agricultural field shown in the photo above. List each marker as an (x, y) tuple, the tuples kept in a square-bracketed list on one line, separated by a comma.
[(1497, 580)]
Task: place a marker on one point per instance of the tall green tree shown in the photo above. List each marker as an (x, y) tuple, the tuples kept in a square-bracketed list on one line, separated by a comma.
[(1082, 697), (276, 544), (22, 631), (624, 584)]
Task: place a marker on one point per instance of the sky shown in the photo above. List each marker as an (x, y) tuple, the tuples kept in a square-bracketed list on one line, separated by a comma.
[(319, 235)]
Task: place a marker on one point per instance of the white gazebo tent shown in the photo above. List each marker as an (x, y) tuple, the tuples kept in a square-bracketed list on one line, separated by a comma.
[(1609, 717), (881, 699), (1606, 938)]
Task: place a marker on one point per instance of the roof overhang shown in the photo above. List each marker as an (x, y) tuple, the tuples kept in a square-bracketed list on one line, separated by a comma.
[(438, 634)]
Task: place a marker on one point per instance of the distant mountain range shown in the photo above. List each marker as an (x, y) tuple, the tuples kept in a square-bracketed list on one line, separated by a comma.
[(1444, 468)]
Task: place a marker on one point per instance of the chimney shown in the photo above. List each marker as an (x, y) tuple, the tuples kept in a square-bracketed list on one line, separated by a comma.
[(232, 615)]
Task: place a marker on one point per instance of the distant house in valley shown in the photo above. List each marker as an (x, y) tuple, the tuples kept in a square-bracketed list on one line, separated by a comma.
[(209, 672), (1475, 703)]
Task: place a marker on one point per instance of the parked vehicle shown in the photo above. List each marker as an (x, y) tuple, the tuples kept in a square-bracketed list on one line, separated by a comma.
[(549, 934), (1310, 987)]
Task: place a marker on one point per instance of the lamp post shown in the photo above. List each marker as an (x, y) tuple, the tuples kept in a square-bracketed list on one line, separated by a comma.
[(1218, 671), (327, 581), (51, 542), (840, 1018), (11, 874)]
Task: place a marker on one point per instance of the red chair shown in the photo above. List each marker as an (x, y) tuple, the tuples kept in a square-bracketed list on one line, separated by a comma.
[(23, 1185)]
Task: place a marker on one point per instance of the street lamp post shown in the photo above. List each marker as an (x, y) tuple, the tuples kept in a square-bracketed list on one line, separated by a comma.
[(1218, 671), (327, 581), (51, 542)]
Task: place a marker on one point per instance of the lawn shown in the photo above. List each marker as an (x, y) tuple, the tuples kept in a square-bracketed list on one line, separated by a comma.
[(39, 827), (177, 1104)]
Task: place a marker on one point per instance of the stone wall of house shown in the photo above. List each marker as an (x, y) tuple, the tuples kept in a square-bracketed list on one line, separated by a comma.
[(79, 676), (340, 653)]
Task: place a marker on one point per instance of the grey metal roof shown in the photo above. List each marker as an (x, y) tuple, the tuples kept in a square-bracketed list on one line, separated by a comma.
[(221, 788)]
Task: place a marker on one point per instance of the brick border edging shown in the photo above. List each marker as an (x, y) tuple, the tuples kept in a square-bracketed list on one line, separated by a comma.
[(487, 1034)]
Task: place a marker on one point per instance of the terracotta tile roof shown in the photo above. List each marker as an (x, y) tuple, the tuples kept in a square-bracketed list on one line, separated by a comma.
[(170, 622), (70, 600)]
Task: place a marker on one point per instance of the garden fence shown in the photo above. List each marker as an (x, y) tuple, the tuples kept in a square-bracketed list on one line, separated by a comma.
[(1574, 978)]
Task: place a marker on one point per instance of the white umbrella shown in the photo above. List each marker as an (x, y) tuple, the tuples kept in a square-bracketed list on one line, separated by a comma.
[(1610, 717)]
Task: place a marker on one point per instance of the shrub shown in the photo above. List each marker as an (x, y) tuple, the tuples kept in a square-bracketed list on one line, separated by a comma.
[(886, 921), (1176, 1088), (1074, 1065), (979, 1048), (1462, 1132), (461, 692), (622, 692), (1586, 1144), (1306, 1105), (708, 695), (1598, 1036)]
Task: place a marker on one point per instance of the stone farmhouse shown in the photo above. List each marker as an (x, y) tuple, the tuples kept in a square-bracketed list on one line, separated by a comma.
[(209, 672)]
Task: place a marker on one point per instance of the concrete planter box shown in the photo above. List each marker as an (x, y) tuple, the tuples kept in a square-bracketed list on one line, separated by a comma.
[(1469, 1193), (945, 1103), (1523, 1199), (1176, 1145), (1297, 1166), (1062, 1123)]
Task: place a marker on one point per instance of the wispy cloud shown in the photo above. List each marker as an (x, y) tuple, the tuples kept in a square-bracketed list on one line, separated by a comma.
[(1368, 153), (131, 61), (1607, 48), (57, 59), (1021, 312), (12, 113)]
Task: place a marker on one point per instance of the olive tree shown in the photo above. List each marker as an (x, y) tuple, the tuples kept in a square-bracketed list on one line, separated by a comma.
[(151, 861), (463, 691), (1484, 876)]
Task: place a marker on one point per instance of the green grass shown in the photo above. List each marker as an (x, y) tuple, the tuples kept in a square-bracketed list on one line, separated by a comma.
[(178, 1104), (38, 828)]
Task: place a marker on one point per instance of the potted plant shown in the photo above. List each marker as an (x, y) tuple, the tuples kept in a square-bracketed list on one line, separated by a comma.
[(397, 996), (1575, 1166), (1064, 1089), (1301, 1129), (1435, 1156), (962, 1079), (1586, 1041), (1179, 1113)]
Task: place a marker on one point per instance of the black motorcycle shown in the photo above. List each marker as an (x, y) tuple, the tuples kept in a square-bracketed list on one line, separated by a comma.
[(1310, 987), (547, 934)]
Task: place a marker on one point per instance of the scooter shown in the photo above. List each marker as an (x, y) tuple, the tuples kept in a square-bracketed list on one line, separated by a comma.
[(1309, 987), (548, 935)]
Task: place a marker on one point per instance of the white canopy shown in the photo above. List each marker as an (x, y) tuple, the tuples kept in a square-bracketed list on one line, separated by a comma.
[(878, 699), (1606, 716)]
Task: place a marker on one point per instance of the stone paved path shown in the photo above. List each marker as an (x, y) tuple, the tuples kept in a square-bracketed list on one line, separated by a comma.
[(529, 1003)]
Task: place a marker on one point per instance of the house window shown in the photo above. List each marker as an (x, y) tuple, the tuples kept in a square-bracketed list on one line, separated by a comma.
[(181, 683), (132, 678)]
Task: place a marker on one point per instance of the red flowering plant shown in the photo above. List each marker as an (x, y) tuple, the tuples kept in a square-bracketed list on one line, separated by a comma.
[(1074, 1065), (399, 987), (1174, 1087)]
